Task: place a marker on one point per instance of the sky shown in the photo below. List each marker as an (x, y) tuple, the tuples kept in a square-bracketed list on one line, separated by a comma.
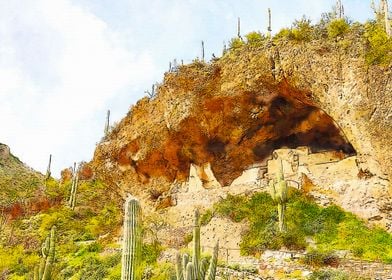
[(64, 63)]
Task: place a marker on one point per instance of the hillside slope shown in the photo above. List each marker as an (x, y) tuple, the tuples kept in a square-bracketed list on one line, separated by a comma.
[(19, 183)]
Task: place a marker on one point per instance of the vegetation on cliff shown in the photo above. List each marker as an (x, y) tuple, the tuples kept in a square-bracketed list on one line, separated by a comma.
[(330, 227)]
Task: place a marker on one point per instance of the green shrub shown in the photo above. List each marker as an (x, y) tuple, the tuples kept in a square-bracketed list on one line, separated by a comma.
[(284, 33), (151, 252), (379, 45), (236, 43), (331, 227), (318, 259), (255, 39), (233, 207), (206, 217), (164, 272), (337, 27), (302, 30), (329, 275)]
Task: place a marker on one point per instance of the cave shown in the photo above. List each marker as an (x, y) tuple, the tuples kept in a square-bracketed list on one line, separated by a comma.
[(234, 132), (285, 122)]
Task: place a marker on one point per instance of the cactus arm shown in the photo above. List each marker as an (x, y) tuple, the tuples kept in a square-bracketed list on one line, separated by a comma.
[(132, 243), (196, 245), (190, 272), (73, 192), (214, 261), (44, 252), (203, 268), (185, 260), (179, 269)]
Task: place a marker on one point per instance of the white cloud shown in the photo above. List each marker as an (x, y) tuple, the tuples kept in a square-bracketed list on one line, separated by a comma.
[(59, 65)]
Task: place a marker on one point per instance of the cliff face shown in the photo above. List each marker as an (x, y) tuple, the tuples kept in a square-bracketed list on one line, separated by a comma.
[(234, 111)]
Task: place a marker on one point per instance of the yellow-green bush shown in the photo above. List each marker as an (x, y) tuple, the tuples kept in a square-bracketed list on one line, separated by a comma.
[(236, 43), (379, 45), (302, 30), (255, 39), (337, 27)]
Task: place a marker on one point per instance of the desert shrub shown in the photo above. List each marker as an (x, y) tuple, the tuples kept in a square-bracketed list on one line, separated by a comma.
[(233, 207), (236, 43), (318, 259), (206, 217), (188, 238), (284, 33), (337, 27), (164, 272), (329, 275), (302, 30), (379, 49), (255, 39), (151, 252), (105, 221)]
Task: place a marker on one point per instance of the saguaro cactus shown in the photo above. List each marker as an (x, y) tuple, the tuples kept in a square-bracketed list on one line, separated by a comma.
[(239, 28), (339, 9), (387, 23), (202, 50), (48, 172), (269, 30), (278, 191), (214, 261), (74, 188), (132, 242), (107, 123), (197, 268), (382, 15), (196, 244), (44, 272)]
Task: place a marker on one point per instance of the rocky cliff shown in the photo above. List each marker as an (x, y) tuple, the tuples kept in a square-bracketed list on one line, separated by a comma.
[(233, 112)]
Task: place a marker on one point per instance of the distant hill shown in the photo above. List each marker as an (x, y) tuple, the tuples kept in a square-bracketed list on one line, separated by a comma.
[(18, 182)]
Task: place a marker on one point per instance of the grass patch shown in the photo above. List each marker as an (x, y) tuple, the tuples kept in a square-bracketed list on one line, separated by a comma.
[(331, 227)]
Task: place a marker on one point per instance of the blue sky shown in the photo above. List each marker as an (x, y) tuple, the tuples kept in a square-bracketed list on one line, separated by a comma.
[(63, 63)]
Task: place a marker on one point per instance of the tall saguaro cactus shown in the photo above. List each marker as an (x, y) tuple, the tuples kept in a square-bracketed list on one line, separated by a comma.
[(48, 172), (278, 191), (197, 268), (269, 30), (339, 9), (387, 23), (132, 240), (44, 272), (196, 244), (202, 50), (107, 123), (74, 188), (239, 28), (214, 262), (382, 15)]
